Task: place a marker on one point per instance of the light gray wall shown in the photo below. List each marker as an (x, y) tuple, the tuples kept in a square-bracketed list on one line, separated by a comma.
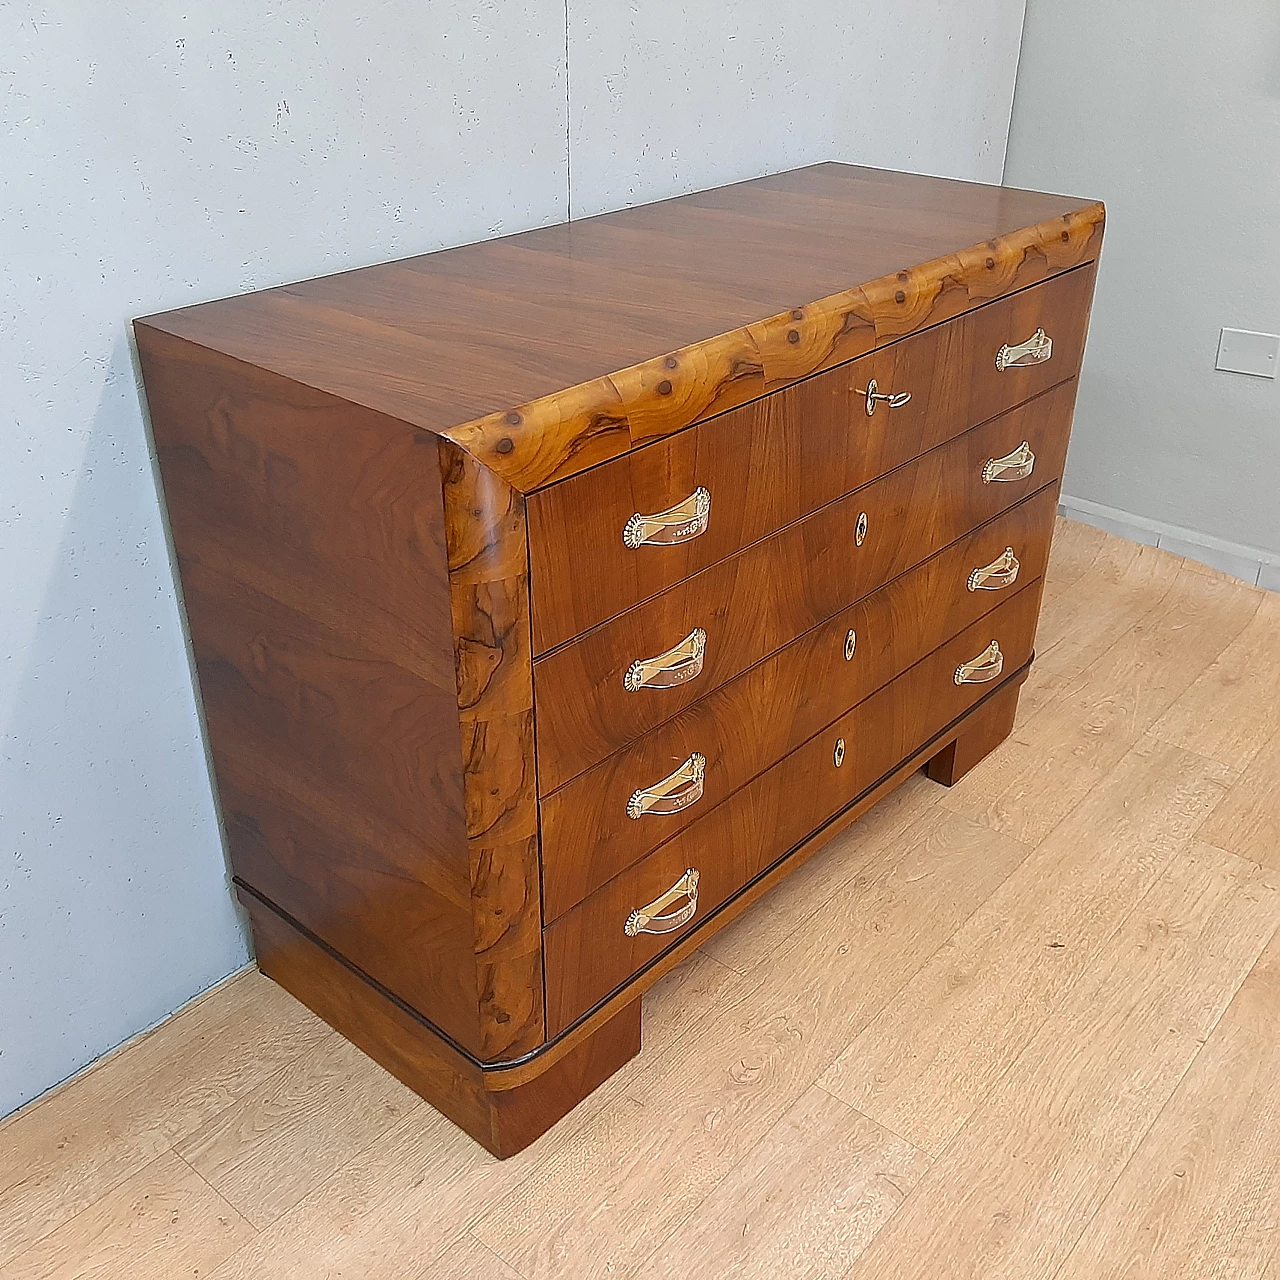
[(155, 155), (1169, 110), (669, 96)]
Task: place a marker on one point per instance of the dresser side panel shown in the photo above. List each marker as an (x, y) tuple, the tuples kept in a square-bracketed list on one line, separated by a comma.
[(309, 537)]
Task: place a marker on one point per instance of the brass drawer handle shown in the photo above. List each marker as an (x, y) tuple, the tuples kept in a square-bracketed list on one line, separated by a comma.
[(1036, 350), (1017, 465), (684, 521), (678, 665), (986, 666), (875, 396), (651, 920), (676, 791), (1000, 573)]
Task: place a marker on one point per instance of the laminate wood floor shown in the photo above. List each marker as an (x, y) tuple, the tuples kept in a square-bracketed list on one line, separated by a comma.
[(1028, 1027)]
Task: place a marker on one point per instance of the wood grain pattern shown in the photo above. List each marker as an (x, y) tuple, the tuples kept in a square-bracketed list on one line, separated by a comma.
[(489, 594), (162, 1218), (587, 953), (1201, 1195), (749, 723), (1232, 710), (765, 883), (751, 607), (786, 455), (923, 1067), (557, 436), (544, 353), (468, 1259), (1012, 1195), (263, 1153), (1247, 819), (803, 1203), (310, 540), (1120, 590)]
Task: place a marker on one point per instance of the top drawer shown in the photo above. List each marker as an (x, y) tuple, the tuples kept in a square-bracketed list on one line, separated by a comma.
[(703, 493)]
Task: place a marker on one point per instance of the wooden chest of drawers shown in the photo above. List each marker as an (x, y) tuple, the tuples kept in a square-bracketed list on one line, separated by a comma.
[(552, 597)]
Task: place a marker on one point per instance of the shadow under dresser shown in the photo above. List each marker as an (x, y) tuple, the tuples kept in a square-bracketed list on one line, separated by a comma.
[(553, 597)]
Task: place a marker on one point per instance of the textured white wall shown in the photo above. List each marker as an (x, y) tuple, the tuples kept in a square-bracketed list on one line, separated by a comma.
[(155, 155), (669, 96), (1170, 112)]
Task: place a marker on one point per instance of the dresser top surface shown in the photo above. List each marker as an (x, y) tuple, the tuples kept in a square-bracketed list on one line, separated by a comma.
[(450, 336)]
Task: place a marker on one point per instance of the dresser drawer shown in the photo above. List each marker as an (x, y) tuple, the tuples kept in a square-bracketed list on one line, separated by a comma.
[(747, 724), (589, 951), (762, 598), (716, 487)]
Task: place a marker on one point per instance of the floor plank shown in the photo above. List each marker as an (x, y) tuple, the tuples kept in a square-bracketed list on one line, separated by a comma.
[(468, 1259), (392, 1211), (1081, 618), (1200, 1200), (1246, 820), (1057, 755), (62, 1154), (927, 1060), (162, 1223), (596, 1207), (801, 1205), (1015, 1190), (265, 1152), (1232, 710)]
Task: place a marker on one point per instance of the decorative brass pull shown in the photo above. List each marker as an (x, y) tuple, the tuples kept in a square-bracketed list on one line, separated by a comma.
[(684, 521), (651, 920), (676, 791), (875, 396), (1000, 573), (678, 665), (986, 666), (1017, 465), (1036, 350)]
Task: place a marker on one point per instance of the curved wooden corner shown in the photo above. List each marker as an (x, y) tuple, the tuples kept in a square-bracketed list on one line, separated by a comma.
[(559, 435), (489, 595)]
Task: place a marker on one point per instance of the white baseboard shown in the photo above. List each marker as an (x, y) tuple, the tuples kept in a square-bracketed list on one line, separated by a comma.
[(1252, 564)]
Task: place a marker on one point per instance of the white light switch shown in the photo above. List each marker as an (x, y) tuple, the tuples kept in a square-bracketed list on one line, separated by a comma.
[(1242, 351)]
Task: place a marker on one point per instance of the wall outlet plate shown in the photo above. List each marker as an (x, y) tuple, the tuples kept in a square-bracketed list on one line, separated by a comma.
[(1243, 351)]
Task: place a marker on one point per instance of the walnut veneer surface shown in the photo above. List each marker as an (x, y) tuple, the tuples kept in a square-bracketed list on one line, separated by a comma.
[(553, 598)]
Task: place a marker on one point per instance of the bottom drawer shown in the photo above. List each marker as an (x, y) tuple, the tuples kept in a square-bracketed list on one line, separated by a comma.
[(589, 952)]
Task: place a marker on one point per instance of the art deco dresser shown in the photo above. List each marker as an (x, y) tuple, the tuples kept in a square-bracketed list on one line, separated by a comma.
[(553, 597)]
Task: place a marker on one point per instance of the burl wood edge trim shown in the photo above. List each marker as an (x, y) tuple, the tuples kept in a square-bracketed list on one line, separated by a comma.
[(559, 435), (489, 595)]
